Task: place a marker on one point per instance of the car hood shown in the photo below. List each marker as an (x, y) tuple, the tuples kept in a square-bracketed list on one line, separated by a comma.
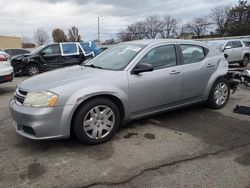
[(21, 56), (59, 77)]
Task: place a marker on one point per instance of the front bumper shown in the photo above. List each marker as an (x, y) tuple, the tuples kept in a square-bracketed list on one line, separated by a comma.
[(41, 123)]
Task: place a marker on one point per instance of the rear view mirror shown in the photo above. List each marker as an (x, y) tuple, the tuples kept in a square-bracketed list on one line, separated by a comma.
[(142, 67)]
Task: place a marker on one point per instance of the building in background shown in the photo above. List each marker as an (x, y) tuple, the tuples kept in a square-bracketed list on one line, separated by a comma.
[(10, 42)]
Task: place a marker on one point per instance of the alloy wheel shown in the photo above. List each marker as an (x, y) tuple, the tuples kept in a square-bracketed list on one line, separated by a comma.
[(221, 93), (33, 70), (99, 122)]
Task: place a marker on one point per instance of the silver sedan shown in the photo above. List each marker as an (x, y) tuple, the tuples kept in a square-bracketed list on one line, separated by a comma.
[(129, 81)]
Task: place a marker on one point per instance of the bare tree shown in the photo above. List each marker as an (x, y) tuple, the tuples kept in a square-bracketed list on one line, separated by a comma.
[(151, 27), (124, 36), (168, 27), (73, 35), (219, 16), (137, 30), (59, 35), (199, 26), (41, 36)]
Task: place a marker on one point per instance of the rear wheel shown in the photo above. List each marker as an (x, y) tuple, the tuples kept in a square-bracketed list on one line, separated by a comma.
[(96, 121), (245, 61), (32, 70), (219, 94)]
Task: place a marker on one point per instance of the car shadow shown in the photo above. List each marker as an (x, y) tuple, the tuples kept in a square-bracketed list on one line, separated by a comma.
[(6, 90), (207, 125)]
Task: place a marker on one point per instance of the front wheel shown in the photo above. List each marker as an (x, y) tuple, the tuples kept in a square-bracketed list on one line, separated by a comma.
[(32, 70), (96, 121), (245, 61), (219, 94)]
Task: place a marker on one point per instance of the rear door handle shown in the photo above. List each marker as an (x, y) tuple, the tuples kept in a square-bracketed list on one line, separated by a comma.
[(210, 65), (175, 72)]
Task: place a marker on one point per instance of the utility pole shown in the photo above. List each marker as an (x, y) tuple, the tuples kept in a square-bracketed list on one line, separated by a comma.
[(98, 31)]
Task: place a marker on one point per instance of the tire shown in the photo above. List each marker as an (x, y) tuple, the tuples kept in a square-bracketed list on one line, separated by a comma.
[(245, 61), (91, 127), (32, 70), (219, 96)]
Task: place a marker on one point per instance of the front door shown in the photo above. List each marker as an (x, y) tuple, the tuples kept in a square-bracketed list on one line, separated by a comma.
[(51, 57), (238, 48), (151, 91)]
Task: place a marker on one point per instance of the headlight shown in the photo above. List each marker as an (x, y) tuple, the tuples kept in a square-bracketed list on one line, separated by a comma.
[(40, 99)]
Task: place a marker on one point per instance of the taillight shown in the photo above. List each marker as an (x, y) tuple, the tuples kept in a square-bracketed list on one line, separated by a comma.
[(3, 57)]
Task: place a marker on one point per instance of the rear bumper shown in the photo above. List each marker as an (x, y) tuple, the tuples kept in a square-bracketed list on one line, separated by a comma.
[(6, 78)]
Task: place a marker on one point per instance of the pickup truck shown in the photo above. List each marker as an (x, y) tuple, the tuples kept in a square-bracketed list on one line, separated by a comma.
[(53, 56)]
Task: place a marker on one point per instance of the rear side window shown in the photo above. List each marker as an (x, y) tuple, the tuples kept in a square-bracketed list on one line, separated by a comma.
[(236, 44), (69, 49), (192, 53)]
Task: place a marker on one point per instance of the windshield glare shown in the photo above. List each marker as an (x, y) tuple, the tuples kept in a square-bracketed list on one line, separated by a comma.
[(116, 58)]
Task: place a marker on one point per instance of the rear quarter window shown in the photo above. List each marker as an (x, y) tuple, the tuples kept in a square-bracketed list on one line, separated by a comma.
[(192, 53), (246, 43)]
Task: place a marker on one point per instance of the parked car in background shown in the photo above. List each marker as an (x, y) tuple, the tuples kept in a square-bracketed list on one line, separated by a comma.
[(128, 81), (6, 70), (237, 51), (53, 56), (16, 51)]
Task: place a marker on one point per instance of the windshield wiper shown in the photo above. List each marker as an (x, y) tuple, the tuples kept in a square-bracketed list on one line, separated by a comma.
[(93, 66)]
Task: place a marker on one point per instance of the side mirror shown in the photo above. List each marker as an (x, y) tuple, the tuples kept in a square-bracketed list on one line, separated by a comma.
[(142, 67), (42, 53), (226, 56), (228, 47)]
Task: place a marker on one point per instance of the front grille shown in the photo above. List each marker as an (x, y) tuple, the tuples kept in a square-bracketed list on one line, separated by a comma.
[(20, 96)]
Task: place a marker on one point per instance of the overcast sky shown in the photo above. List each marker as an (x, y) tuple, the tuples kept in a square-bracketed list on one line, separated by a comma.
[(23, 17)]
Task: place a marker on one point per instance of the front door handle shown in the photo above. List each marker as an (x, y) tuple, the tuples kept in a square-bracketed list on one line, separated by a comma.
[(210, 65), (175, 72)]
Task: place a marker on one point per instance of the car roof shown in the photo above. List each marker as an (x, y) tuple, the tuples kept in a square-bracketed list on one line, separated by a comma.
[(149, 42)]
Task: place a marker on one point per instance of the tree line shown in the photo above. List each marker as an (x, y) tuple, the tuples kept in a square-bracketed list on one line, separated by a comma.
[(222, 21), (58, 35)]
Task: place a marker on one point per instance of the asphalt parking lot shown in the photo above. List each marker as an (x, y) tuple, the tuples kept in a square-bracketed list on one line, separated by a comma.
[(192, 147)]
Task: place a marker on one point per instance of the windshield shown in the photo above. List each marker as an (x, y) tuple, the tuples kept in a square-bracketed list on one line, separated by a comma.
[(216, 44), (116, 58), (35, 51)]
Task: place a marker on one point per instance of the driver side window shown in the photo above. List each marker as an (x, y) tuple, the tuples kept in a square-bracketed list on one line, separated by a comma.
[(52, 50), (229, 44), (161, 57)]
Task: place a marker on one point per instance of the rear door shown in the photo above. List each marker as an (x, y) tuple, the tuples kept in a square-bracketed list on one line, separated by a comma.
[(71, 54), (50, 57), (196, 71)]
